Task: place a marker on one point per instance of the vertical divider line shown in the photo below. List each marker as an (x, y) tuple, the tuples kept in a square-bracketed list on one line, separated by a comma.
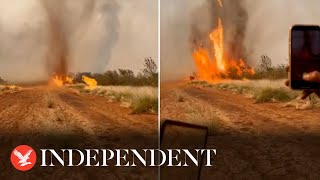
[(159, 72)]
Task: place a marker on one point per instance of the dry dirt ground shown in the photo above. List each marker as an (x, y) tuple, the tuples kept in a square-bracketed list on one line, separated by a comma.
[(63, 118), (253, 141)]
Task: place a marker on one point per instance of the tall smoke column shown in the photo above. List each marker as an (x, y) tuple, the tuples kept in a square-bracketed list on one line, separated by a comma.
[(94, 35), (58, 47), (109, 13), (234, 18)]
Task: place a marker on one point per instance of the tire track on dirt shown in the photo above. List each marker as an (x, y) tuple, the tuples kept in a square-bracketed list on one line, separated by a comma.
[(73, 120), (275, 144), (109, 121), (259, 118), (17, 111)]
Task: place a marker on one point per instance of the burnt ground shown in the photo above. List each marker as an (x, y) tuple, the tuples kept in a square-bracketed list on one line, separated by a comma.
[(253, 141), (44, 117)]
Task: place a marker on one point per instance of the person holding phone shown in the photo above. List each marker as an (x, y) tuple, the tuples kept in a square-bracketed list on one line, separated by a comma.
[(311, 77), (304, 68)]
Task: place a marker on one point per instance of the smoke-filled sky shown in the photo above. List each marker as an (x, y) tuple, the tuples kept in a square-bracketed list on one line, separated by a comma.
[(111, 34), (97, 35), (266, 32)]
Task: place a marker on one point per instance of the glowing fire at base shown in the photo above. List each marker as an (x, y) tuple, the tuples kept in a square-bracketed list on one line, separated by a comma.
[(214, 64), (58, 81), (91, 83), (69, 80)]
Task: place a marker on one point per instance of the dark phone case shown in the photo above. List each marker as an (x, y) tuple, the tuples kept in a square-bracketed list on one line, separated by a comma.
[(298, 68)]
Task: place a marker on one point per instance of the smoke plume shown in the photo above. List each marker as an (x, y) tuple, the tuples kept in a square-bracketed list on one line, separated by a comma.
[(73, 41), (251, 28), (57, 42), (42, 37), (195, 21)]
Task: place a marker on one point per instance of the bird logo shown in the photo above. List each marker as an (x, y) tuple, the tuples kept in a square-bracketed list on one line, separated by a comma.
[(23, 162), (23, 159)]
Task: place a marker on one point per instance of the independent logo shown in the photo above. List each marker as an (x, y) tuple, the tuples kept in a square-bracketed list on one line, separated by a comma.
[(23, 157)]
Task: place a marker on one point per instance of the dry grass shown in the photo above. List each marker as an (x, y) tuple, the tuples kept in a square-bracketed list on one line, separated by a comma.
[(145, 104), (204, 116), (260, 90), (50, 103), (9, 88), (267, 91), (312, 102), (141, 99), (179, 97), (273, 94)]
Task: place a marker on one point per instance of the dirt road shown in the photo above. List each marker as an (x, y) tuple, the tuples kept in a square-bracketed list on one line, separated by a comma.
[(253, 141), (27, 111), (63, 118)]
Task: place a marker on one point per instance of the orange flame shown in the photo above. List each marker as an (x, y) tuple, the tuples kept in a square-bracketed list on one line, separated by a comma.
[(61, 80), (57, 80), (212, 64), (216, 38), (90, 82), (69, 80), (220, 3)]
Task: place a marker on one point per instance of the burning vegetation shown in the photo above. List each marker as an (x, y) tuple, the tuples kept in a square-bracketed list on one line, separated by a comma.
[(61, 80), (148, 76), (213, 62), (90, 82)]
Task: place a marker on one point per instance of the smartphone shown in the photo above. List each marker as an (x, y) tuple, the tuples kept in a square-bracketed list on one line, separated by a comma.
[(180, 135), (304, 55)]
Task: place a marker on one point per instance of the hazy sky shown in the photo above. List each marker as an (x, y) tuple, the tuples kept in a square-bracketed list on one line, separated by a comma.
[(267, 30), (101, 39), (138, 35), (24, 34), (270, 21)]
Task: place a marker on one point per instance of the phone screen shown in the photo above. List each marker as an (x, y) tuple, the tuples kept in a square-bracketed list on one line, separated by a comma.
[(305, 55)]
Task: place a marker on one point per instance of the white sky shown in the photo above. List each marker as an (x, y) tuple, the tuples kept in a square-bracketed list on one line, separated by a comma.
[(138, 36), (269, 23)]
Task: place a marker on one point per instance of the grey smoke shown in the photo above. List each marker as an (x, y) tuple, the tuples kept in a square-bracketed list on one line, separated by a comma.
[(95, 37), (42, 37), (76, 37), (196, 22), (234, 18), (57, 52)]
